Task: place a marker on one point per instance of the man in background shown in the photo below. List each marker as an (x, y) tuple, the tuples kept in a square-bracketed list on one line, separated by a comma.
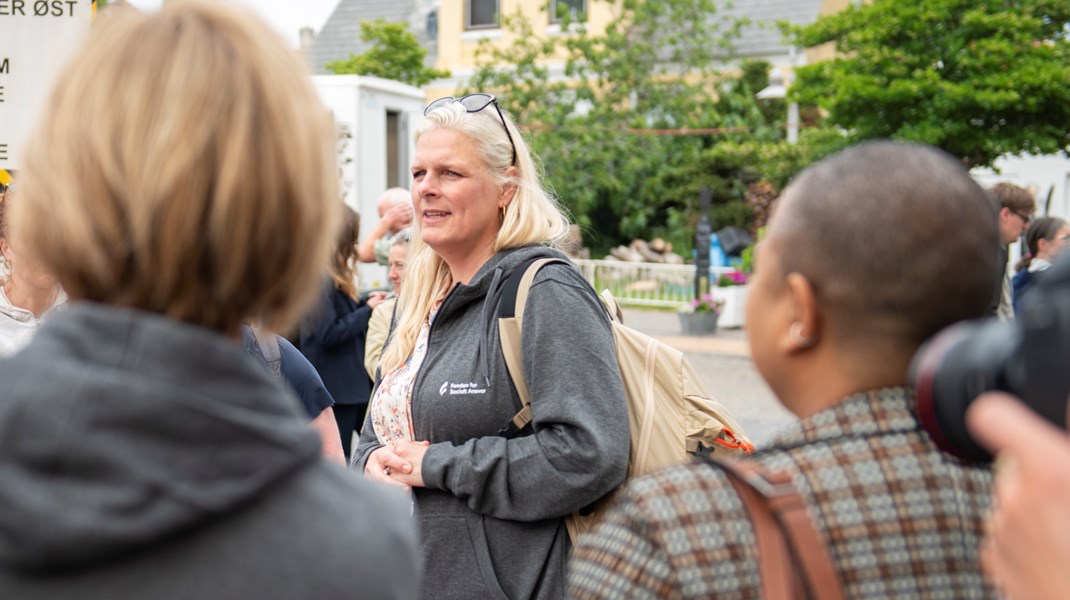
[(395, 214), (1015, 206)]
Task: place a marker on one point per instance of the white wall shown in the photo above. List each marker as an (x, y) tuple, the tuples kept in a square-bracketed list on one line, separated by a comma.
[(1041, 173), (360, 105)]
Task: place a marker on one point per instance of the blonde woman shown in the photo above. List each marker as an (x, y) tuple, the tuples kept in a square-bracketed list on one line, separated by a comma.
[(28, 294), (144, 454), (491, 506), (379, 326)]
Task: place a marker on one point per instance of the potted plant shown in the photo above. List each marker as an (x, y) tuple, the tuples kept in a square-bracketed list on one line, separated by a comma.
[(699, 317), (732, 291)]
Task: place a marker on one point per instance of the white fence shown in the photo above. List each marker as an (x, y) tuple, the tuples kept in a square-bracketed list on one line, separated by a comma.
[(645, 284)]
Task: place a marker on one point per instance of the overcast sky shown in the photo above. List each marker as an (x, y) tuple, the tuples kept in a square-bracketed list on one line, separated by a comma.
[(287, 16)]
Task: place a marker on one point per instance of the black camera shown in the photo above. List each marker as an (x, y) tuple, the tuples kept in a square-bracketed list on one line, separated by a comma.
[(1029, 358)]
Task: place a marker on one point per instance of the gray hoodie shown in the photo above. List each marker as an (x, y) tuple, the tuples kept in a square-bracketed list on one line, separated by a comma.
[(145, 458), (491, 514)]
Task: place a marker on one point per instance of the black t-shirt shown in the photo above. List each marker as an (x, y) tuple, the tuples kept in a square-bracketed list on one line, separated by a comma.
[(295, 370)]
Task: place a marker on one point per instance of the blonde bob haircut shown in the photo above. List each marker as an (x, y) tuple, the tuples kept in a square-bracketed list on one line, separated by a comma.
[(185, 167), (532, 217)]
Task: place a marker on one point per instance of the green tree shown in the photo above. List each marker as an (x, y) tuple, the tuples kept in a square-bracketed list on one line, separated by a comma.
[(395, 54), (978, 78), (617, 133)]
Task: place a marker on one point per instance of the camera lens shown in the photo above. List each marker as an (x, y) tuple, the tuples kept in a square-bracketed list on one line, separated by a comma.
[(955, 367)]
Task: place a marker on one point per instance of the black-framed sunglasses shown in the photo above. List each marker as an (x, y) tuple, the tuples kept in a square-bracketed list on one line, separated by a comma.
[(474, 103), (1024, 217)]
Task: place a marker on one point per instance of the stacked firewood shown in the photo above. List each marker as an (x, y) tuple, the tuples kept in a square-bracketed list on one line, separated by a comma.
[(656, 250)]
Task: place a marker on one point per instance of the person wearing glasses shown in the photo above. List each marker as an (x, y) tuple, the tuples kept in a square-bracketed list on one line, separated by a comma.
[(1015, 207), (28, 293), (1046, 238), (143, 454), (490, 505)]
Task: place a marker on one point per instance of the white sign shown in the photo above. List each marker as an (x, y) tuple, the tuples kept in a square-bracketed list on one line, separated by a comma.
[(36, 40)]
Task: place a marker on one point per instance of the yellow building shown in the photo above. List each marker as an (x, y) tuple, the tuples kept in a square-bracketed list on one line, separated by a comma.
[(451, 30), (464, 24)]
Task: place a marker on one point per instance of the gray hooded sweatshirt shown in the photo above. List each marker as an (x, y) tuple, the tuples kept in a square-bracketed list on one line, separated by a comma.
[(491, 516), (145, 458)]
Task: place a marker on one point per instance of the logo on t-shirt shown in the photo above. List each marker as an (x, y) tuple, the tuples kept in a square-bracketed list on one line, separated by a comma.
[(461, 389)]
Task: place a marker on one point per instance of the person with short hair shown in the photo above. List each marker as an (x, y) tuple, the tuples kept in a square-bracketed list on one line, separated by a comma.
[(491, 505), (143, 454), (1045, 239), (1015, 206), (838, 306), (395, 213)]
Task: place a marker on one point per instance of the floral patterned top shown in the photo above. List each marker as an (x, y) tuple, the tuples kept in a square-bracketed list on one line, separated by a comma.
[(391, 405)]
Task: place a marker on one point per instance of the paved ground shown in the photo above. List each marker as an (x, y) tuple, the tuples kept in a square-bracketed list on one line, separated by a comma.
[(723, 361)]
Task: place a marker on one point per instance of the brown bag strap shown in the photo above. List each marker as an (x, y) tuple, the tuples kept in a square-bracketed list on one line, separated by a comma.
[(509, 331), (785, 534)]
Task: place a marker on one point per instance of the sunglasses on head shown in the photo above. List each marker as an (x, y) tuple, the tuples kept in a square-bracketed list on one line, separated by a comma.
[(474, 103)]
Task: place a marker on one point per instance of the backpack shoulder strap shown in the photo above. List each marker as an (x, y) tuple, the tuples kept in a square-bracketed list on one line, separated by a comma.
[(510, 324), (785, 535), (269, 349)]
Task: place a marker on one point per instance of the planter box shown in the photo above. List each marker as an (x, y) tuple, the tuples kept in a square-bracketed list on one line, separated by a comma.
[(735, 302), (702, 323)]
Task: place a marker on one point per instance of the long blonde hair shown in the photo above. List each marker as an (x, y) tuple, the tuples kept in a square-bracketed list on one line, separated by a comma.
[(533, 217), (180, 147)]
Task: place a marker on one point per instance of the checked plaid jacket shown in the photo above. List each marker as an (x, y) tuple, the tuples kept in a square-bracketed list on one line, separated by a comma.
[(900, 518)]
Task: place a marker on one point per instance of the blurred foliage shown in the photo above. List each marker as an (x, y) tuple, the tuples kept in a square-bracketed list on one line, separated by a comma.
[(978, 78), (395, 54), (608, 132)]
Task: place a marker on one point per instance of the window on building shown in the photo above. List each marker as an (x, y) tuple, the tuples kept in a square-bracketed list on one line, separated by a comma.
[(575, 10), (394, 150), (481, 14)]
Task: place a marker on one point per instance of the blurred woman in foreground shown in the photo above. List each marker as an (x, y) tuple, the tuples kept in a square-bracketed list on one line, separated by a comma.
[(143, 454)]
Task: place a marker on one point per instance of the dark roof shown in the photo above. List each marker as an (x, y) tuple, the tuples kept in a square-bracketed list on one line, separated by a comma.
[(340, 36)]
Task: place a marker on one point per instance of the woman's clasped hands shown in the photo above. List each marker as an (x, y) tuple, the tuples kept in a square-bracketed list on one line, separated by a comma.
[(397, 464)]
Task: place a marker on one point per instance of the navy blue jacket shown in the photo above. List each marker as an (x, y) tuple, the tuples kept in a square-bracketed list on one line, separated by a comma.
[(332, 338), (1020, 283)]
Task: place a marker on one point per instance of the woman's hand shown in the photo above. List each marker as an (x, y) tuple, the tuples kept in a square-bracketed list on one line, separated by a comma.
[(383, 463), (412, 454), (376, 298)]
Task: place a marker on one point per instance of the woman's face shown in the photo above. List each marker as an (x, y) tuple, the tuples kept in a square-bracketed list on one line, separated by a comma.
[(396, 261), (455, 199), (24, 271), (1056, 245)]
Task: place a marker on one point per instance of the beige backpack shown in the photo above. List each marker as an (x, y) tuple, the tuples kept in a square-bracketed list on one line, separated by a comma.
[(671, 415)]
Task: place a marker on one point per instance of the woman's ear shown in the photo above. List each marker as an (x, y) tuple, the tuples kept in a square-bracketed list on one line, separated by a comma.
[(509, 188), (5, 249), (805, 329)]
